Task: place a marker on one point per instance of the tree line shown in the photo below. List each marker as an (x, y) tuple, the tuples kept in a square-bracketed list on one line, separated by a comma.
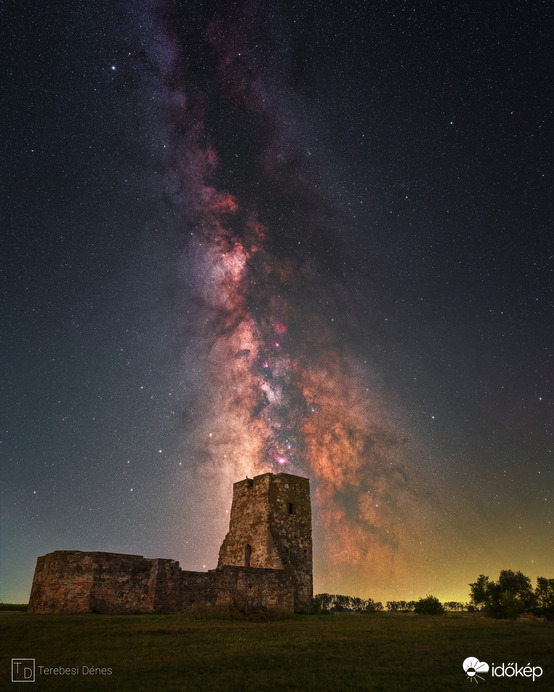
[(339, 603), (508, 597)]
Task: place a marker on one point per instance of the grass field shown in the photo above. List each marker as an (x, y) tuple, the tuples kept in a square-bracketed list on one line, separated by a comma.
[(340, 652)]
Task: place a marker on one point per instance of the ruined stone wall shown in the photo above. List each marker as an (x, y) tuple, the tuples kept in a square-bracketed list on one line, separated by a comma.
[(250, 542), (62, 583), (165, 586), (244, 589), (122, 583), (77, 582), (291, 527), (71, 581), (198, 591), (271, 527)]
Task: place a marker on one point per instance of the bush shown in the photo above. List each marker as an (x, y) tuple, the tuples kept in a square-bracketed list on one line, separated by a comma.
[(429, 606)]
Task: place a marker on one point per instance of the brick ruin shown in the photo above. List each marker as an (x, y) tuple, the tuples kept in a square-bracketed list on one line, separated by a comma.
[(265, 562)]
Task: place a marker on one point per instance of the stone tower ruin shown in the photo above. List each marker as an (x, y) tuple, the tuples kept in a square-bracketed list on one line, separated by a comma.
[(271, 528), (265, 562)]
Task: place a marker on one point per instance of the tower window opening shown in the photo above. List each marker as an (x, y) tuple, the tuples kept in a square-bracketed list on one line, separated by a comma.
[(247, 555), (291, 508)]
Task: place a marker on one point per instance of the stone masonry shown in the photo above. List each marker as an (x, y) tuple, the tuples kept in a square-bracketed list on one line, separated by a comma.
[(271, 527), (264, 562)]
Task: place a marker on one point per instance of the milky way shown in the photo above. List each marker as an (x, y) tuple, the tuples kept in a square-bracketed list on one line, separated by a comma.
[(281, 389)]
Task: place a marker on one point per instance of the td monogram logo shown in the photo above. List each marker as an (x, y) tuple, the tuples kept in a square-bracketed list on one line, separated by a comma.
[(23, 669)]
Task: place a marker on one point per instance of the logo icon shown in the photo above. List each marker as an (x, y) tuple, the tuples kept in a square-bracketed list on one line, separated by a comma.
[(472, 667), (23, 669)]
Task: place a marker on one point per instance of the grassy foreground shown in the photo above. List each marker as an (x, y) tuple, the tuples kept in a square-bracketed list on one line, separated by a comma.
[(341, 652)]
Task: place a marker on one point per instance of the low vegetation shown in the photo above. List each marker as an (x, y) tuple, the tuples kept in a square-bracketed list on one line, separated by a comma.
[(386, 651)]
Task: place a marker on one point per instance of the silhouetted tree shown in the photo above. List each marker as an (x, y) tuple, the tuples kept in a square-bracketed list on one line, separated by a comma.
[(316, 604), (373, 606), (430, 605), (506, 598), (544, 598), (326, 600), (339, 603), (357, 604), (480, 590), (454, 605), (517, 584)]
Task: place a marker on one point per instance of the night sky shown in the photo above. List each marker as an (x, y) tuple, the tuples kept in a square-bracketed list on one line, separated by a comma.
[(311, 238)]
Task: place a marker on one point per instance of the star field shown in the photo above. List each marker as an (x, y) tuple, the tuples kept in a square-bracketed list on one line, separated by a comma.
[(254, 237)]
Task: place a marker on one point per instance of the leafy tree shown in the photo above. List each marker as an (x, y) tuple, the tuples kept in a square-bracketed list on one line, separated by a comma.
[(506, 598), (323, 603), (357, 604), (342, 603), (373, 606), (518, 585), (544, 598), (480, 590), (430, 605)]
